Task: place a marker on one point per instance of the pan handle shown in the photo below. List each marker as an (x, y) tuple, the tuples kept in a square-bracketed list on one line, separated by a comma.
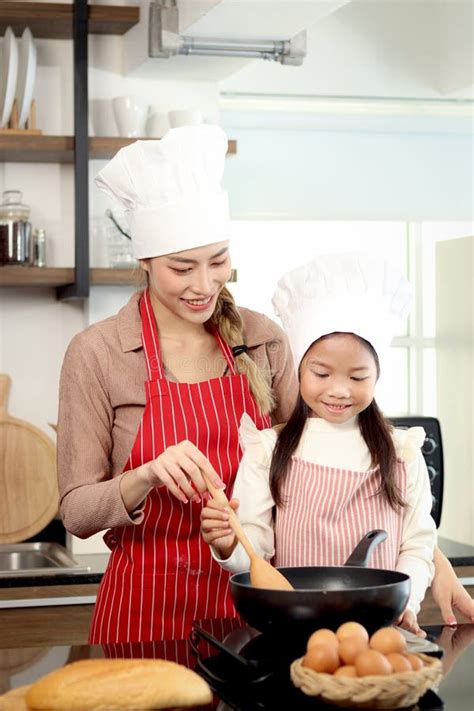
[(361, 554)]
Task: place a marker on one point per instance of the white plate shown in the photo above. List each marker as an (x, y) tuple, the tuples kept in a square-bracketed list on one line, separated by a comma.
[(8, 75), (26, 76)]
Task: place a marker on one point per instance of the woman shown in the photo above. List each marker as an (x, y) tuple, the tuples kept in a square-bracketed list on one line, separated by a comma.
[(131, 455), (154, 394)]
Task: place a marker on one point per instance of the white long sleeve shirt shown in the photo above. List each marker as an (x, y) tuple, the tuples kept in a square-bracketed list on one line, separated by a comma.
[(343, 447)]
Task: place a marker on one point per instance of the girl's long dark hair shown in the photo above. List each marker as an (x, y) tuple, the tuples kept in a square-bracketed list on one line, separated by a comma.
[(375, 430)]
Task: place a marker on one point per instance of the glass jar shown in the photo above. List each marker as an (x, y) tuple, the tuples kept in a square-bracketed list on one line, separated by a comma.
[(39, 248), (15, 230)]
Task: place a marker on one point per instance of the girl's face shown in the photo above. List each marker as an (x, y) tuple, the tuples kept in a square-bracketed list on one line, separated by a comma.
[(188, 283), (337, 377)]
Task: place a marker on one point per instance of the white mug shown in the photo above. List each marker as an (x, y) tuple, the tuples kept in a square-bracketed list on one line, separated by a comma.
[(102, 117), (184, 117), (130, 115), (157, 125)]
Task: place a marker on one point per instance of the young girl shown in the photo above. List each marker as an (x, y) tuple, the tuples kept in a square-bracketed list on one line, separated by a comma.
[(337, 469)]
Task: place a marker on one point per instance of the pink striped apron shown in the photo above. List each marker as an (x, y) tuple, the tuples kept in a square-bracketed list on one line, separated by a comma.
[(329, 510), (161, 575)]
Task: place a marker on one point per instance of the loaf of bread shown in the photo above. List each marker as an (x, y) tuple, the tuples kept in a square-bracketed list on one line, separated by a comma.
[(114, 684), (14, 700)]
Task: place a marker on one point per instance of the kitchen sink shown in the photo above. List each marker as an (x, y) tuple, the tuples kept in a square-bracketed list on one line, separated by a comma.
[(37, 559)]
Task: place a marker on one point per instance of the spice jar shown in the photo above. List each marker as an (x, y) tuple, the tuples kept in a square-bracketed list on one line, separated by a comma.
[(15, 229), (39, 248)]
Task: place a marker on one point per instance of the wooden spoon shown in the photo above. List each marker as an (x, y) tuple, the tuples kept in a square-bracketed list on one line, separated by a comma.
[(262, 573)]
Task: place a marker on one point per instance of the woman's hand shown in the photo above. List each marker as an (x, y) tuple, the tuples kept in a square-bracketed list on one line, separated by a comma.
[(215, 527), (454, 641), (409, 622), (448, 592), (179, 468)]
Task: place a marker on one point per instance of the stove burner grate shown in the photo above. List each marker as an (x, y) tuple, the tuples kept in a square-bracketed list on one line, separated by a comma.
[(250, 672)]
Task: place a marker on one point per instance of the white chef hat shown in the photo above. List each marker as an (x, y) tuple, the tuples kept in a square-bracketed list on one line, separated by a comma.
[(349, 293), (171, 190)]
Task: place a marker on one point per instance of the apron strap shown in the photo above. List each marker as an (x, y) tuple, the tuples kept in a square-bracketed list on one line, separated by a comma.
[(226, 350), (150, 340)]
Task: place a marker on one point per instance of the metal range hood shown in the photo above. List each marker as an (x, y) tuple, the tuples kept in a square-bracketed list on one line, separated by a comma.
[(164, 40)]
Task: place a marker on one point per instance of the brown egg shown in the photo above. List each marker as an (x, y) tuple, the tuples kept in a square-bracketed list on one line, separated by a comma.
[(371, 662), (350, 647), (399, 662), (346, 670), (322, 658), (351, 629), (322, 636), (388, 640), (415, 661)]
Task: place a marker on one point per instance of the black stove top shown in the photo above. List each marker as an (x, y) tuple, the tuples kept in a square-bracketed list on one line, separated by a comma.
[(249, 671)]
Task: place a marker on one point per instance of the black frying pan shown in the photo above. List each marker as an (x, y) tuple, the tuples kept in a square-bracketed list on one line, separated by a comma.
[(326, 596)]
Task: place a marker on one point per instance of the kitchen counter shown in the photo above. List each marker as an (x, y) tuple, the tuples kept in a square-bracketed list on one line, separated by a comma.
[(53, 592), (80, 588), (460, 554), (96, 563), (61, 615), (24, 666), (457, 553)]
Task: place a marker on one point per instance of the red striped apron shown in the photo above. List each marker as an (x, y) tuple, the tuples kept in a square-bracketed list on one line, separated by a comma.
[(161, 575), (329, 510)]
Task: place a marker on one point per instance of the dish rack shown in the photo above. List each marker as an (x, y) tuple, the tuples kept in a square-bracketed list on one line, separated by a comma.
[(17, 80), (14, 129)]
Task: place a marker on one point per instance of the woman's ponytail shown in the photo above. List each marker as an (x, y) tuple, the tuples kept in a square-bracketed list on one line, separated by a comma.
[(228, 320)]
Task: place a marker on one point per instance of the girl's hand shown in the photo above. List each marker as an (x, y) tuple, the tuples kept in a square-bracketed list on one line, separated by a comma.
[(448, 592), (409, 622), (215, 527), (179, 469)]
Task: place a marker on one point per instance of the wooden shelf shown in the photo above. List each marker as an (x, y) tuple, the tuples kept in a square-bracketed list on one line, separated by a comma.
[(60, 149), (35, 276), (36, 149), (61, 276), (54, 20), (54, 277), (105, 147), (108, 277)]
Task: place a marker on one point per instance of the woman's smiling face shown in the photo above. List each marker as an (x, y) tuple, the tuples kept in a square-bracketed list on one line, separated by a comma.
[(188, 283), (337, 377)]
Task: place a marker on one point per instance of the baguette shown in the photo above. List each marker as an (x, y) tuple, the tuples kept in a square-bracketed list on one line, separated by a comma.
[(14, 700), (115, 684)]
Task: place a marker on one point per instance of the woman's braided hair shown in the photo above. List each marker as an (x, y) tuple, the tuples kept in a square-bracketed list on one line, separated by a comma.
[(228, 321)]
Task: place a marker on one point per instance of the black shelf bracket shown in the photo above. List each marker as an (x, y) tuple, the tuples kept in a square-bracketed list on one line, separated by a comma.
[(79, 289)]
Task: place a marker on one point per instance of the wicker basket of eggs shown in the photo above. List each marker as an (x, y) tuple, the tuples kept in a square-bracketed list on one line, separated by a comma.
[(349, 668)]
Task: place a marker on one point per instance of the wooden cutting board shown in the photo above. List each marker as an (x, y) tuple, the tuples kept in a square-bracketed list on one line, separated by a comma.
[(28, 485)]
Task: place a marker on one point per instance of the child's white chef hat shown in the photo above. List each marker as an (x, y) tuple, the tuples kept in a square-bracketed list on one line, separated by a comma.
[(349, 293), (171, 190)]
